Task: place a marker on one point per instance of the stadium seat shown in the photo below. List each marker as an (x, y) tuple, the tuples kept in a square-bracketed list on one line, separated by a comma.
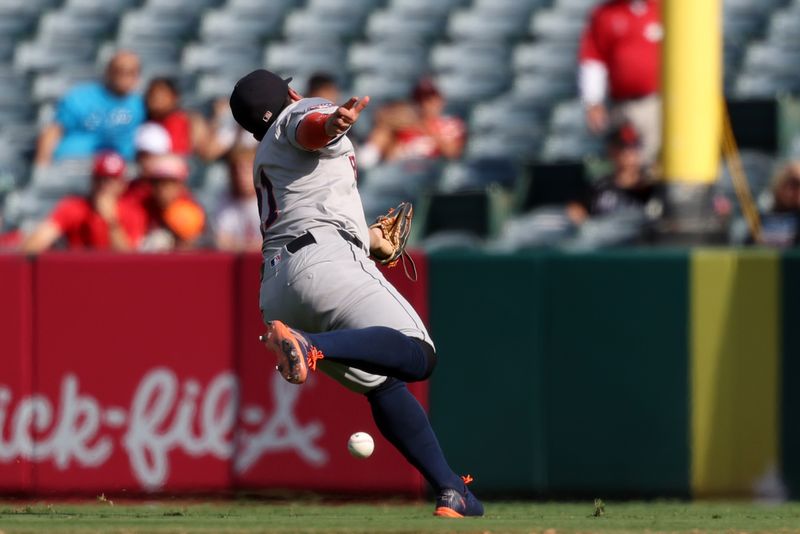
[(553, 25), (219, 57), (472, 57), (15, 23), (37, 56), (405, 59), (62, 178), (59, 26), (49, 87), (153, 54), (782, 27), (224, 26), (259, 7), (398, 25), (576, 8), (407, 177), (342, 8), (104, 7), (438, 8), (217, 85), (466, 88), (543, 58), (32, 7), (181, 6), (499, 144), (24, 208), (739, 29), (770, 59), (301, 58), (543, 92), (300, 24), (546, 226), (382, 87), (564, 147), (520, 8), (146, 24), (568, 118), (478, 25), (497, 118), (478, 174), (764, 86)]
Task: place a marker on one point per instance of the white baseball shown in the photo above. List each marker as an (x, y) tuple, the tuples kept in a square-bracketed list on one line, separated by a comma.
[(361, 445)]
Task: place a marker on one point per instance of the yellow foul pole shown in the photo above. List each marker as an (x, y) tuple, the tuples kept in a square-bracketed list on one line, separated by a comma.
[(692, 90)]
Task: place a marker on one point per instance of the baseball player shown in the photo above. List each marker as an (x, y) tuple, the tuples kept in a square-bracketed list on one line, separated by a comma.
[(347, 320)]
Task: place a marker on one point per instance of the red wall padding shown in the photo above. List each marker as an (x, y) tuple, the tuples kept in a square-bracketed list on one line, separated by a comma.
[(148, 376), (16, 405)]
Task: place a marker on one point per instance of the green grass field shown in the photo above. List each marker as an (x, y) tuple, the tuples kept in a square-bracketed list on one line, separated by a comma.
[(167, 516)]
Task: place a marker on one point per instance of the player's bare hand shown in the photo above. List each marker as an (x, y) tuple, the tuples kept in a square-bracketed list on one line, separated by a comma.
[(345, 116)]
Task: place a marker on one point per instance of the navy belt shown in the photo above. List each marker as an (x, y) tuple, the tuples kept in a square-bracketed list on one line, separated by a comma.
[(307, 239)]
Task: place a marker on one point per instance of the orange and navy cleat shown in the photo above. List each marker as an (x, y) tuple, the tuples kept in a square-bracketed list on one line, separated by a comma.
[(296, 356), (454, 503)]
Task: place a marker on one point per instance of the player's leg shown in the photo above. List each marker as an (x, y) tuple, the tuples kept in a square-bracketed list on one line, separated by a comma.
[(376, 349), (349, 295), (404, 423)]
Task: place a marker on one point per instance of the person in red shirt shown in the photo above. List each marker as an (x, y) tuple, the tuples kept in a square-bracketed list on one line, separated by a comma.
[(174, 219), (620, 61), (414, 130), (101, 220), (436, 135), (189, 133)]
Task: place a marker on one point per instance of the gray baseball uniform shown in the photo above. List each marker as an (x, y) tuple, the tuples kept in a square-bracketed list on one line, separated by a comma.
[(330, 284)]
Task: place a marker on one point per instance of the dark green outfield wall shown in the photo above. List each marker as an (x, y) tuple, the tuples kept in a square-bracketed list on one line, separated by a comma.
[(550, 380), (790, 407)]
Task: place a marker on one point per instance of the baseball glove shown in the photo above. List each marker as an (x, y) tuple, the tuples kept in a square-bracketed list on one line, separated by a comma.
[(396, 227)]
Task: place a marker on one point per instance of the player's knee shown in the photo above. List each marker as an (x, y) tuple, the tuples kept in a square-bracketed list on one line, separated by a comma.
[(430, 358)]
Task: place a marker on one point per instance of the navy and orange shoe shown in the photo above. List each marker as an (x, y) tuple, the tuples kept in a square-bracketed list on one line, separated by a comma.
[(454, 503), (295, 354)]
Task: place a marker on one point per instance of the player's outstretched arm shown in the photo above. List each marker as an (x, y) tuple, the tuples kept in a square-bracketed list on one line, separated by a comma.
[(345, 116), (318, 129)]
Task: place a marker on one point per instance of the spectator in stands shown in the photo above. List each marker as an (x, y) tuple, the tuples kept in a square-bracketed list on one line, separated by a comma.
[(323, 85), (173, 219), (238, 225), (382, 142), (620, 60), (780, 225), (628, 186), (417, 131), (162, 102), (188, 133), (96, 116), (100, 221)]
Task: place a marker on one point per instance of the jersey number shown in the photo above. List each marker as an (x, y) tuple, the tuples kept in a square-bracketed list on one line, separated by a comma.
[(267, 194)]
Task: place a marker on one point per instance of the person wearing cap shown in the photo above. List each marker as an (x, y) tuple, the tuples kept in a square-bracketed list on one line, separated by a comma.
[(619, 69), (627, 186), (415, 130), (174, 219), (435, 135), (101, 220), (96, 116), (344, 318), (780, 224)]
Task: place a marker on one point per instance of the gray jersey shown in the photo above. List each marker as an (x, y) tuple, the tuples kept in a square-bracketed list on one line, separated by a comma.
[(300, 190)]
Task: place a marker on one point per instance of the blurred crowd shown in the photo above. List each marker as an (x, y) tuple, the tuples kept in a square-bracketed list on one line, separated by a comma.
[(143, 145)]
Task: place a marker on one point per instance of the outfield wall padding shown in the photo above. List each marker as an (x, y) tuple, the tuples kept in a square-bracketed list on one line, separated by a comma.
[(563, 374), (16, 368)]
